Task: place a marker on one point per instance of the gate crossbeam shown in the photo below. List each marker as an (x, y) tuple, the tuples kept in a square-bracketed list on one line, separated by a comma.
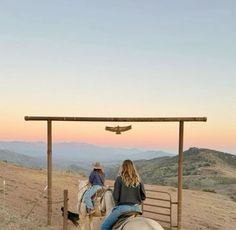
[(115, 119)]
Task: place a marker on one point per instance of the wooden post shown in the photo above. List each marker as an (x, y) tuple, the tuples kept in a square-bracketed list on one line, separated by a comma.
[(65, 209), (4, 193), (180, 173), (49, 167)]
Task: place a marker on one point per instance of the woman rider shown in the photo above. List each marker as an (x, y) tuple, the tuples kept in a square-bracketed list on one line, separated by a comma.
[(128, 193)]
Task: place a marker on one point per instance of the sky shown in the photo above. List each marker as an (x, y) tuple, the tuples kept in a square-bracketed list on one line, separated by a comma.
[(119, 58)]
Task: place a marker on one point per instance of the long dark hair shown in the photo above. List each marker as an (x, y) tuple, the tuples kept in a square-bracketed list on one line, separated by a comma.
[(99, 171)]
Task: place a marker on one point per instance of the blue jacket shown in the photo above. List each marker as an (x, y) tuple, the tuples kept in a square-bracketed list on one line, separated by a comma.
[(96, 179)]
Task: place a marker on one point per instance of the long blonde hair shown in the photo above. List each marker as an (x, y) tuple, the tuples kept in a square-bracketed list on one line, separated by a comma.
[(129, 174)]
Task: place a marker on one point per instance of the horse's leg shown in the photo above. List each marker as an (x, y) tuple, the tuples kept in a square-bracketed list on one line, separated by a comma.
[(83, 216), (90, 222), (86, 222), (82, 222)]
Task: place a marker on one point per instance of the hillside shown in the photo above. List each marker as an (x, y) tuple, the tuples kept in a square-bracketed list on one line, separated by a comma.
[(203, 169), (21, 159), (24, 206)]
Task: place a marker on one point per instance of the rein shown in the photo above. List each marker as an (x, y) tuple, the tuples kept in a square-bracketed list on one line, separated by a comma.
[(83, 187), (83, 192)]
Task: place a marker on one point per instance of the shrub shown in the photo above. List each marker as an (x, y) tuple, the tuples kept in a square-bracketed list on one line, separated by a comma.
[(209, 190)]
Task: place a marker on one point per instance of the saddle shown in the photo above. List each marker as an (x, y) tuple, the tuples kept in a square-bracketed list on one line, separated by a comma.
[(124, 218), (96, 199), (99, 194)]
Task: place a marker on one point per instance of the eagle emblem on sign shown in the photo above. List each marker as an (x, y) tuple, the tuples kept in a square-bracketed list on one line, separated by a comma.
[(118, 129)]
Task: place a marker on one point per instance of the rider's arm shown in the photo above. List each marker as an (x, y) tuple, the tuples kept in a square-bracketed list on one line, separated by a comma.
[(91, 177), (117, 189), (142, 191)]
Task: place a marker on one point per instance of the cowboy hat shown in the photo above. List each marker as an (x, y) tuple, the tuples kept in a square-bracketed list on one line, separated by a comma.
[(97, 165)]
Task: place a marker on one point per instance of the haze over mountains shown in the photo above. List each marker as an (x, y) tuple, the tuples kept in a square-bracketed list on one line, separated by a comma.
[(70, 153)]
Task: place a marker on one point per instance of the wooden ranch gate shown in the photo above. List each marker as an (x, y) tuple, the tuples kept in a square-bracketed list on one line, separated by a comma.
[(159, 206), (181, 121)]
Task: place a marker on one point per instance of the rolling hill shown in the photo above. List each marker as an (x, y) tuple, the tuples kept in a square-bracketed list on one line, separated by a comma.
[(21, 159), (203, 169)]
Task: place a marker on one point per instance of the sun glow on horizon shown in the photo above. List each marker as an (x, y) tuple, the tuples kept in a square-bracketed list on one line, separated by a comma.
[(159, 136)]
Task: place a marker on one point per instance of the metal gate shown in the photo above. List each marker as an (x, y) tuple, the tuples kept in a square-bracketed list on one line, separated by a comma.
[(159, 206)]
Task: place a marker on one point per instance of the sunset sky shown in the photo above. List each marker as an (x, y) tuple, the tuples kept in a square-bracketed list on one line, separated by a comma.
[(126, 58)]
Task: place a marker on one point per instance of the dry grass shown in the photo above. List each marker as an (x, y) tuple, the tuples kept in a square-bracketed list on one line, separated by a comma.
[(24, 190)]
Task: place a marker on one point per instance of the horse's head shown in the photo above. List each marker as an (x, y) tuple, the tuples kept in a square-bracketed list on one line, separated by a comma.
[(83, 185)]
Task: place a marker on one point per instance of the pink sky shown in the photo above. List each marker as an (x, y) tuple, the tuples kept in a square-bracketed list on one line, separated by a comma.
[(159, 135), (119, 59)]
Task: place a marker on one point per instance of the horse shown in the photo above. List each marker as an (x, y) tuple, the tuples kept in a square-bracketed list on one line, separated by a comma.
[(84, 218), (135, 222), (104, 207)]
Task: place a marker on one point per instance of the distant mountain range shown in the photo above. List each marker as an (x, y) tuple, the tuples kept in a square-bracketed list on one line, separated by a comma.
[(68, 155)]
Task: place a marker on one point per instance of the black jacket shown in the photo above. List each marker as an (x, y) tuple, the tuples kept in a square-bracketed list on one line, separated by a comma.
[(128, 195)]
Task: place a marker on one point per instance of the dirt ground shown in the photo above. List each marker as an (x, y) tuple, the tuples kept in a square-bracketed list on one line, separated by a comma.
[(23, 202)]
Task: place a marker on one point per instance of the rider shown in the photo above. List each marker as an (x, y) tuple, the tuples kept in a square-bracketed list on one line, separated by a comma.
[(128, 193), (96, 180)]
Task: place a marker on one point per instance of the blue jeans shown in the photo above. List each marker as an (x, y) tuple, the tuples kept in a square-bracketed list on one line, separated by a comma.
[(112, 217), (88, 194)]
